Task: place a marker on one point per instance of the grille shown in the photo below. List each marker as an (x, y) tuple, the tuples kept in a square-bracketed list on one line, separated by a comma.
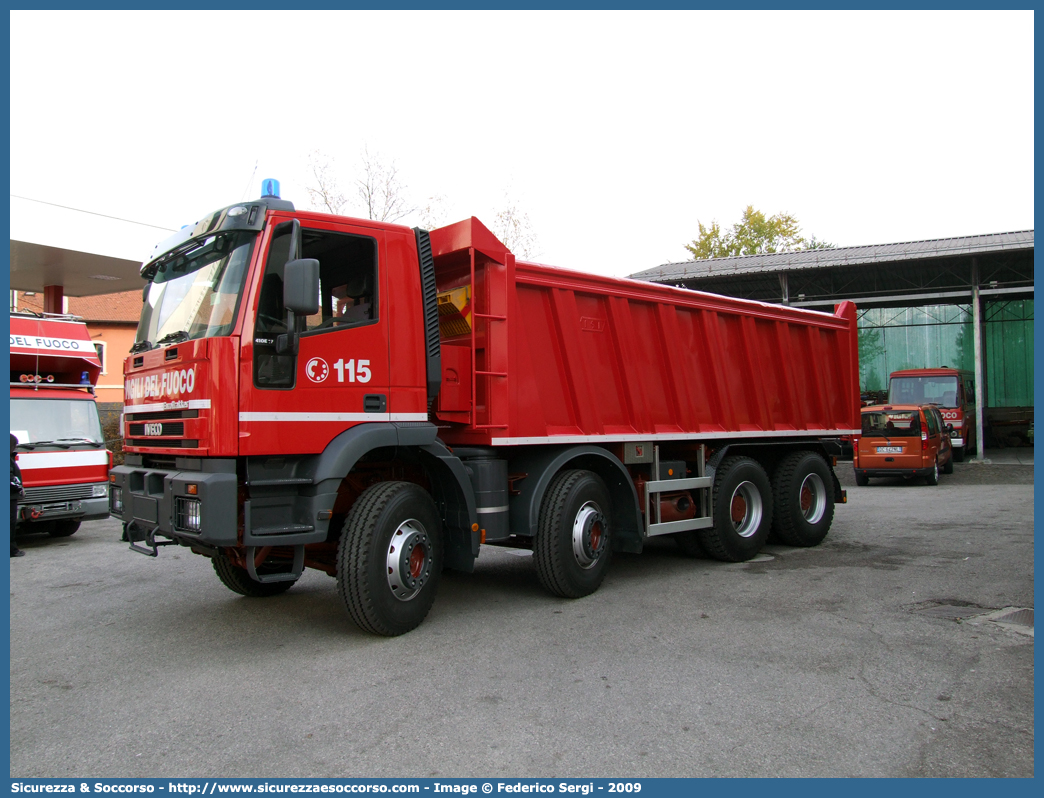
[(58, 493), (184, 443), (162, 415), (170, 428)]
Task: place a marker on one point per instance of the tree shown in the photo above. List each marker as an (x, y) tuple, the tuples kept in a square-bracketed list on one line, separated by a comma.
[(515, 231), (754, 234), (324, 192), (382, 192)]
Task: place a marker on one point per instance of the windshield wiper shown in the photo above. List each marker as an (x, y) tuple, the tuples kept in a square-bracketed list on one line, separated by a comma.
[(93, 443), (34, 444), (173, 338), (141, 346)]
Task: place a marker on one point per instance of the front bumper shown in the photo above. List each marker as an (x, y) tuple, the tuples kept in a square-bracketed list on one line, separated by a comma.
[(93, 509), (159, 501), (198, 501)]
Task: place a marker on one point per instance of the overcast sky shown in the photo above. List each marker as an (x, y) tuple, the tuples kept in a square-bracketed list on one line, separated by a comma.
[(615, 131)]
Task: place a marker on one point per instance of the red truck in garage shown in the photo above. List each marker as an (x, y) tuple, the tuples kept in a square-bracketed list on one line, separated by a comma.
[(953, 390), (61, 449), (376, 402)]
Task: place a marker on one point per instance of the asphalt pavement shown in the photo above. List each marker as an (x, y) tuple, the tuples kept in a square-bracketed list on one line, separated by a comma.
[(889, 650)]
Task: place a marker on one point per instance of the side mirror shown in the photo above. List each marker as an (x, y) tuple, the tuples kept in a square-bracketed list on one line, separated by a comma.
[(949, 428), (301, 286)]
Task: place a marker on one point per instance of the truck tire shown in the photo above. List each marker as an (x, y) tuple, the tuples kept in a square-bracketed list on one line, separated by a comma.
[(932, 477), (742, 511), (238, 580), (958, 453), (802, 499), (573, 543), (389, 558), (948, 468), (63, 528)]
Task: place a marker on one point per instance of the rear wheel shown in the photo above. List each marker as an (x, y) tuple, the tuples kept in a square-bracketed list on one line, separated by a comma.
[(573, 543), (932, 478), (862, 479), (742, 511), (802, 501), (63, 528), (390, 558), (238, 580)]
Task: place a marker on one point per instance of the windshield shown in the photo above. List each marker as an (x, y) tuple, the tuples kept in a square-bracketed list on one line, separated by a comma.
[(47, 420), (923, 391), (195, 294), (892, 424)]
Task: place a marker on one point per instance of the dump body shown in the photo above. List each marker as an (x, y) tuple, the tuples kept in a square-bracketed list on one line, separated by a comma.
[(61, 450), (556, 356)]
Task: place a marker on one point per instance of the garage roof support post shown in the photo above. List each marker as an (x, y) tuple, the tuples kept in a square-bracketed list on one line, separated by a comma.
[(980, 430), (53, 296)]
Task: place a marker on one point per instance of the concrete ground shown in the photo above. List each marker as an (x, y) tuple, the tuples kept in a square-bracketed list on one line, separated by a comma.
[(878, 653)]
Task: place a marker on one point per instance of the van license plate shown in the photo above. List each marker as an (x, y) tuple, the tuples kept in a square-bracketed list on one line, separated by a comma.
[(889, 449)]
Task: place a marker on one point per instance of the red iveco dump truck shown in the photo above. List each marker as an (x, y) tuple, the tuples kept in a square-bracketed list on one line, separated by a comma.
[(61, 449), (375, 402)]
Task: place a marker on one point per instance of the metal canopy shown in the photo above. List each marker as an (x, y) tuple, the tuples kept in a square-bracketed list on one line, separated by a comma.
[(34, 266), (912, 273)]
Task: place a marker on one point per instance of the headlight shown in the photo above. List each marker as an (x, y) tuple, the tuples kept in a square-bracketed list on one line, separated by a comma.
[(186, 514), (116, 500), (101, 489)]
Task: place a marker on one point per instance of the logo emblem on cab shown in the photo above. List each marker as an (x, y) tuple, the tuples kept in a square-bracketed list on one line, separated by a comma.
[(316, 369)]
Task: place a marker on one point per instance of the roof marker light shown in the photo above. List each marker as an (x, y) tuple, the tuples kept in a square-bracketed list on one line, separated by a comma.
[(270, 188)]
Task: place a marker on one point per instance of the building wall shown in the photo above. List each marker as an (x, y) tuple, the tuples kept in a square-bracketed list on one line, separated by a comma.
[(116, 340)]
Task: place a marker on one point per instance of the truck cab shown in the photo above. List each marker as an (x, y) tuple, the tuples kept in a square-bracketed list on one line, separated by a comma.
[(61, 450), (952, 390)]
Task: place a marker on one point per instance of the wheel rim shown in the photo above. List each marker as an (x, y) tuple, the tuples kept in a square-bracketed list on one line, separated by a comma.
[(746, 509), (590, 534), (409, 560), (813, 498)]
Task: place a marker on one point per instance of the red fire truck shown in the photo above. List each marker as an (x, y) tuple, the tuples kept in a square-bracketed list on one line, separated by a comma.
[(952, 390), (61, 449), (375, 402)]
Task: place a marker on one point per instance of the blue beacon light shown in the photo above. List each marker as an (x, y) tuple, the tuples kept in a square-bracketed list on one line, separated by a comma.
[(270, 188)]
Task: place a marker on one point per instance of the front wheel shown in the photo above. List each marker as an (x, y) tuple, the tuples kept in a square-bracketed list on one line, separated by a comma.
[(803, 501), (742, 511), (573, 543), (390, 558)]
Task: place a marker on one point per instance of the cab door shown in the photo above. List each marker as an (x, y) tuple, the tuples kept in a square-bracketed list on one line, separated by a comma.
[(339, 376)]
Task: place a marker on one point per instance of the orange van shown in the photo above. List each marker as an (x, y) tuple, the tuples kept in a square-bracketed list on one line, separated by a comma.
[(903, 441)]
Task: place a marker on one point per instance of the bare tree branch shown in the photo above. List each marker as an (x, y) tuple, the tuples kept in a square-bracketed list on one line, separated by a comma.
[(323, 193), (382, 193), (515, 231)]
